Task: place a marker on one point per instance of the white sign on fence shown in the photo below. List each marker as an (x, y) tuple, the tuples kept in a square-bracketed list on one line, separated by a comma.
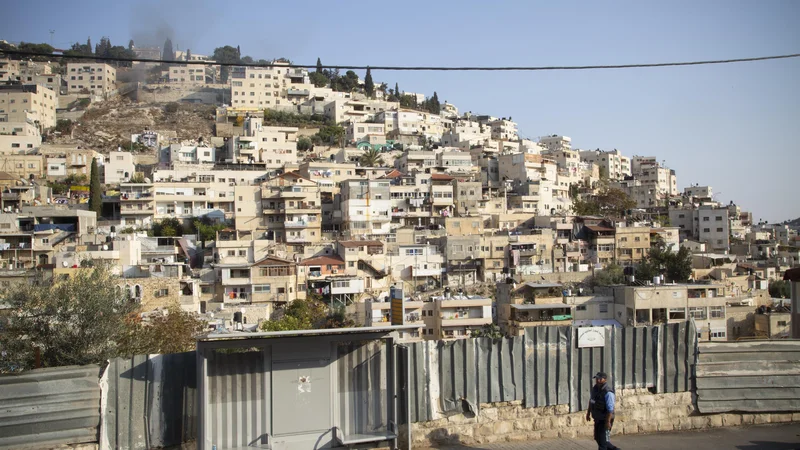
[(591, 337)]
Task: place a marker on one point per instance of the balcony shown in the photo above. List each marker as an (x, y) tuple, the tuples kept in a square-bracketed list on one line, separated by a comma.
[(467, 321), (243, 281), (129, 196), (296, 224), (298, 92), (142, 211), (297, 239)]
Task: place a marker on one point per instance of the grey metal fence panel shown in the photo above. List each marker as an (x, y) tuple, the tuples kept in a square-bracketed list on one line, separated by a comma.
[(150, 401), (236, 398), (635, 367), (586, 362), (548, 353), (500, 368), (418, 383), (362, 368), (457, 376), (49, 407), (678, 342), (748, 377)]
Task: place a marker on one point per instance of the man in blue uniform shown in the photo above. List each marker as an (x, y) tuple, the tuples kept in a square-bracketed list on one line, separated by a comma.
[(601, 409)]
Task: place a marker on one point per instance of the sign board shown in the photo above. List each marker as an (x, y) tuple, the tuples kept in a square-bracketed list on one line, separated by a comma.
[(397, 313), (591, 337)]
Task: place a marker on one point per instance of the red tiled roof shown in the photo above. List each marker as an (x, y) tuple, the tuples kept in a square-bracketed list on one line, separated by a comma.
[(273, 261), (393, 174), (323, 261), (441, 177)]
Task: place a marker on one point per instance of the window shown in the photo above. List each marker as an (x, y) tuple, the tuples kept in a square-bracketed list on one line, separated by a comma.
[(697, 312), (603, 307), (231, 252), (413, 252), (580, 308), (782, 323), (242, 252), (706, 230), (677, 314), (719, 230), (718, 334), (717, 312), (718, 218), (261, 288), (705, 219), (161, 292)]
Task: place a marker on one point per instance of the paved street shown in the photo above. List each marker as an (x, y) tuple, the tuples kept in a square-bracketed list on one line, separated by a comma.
[(762, 437)]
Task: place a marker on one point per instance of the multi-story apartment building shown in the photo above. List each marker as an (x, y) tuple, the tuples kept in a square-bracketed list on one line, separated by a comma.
[(75, 161), (555, 142), (348, 109), (467, 197), (188, 154), (656, 304), (32, 72), (368, 261), (27, 166), (19, 137), (26, 103), (418, 266), (466, 131), (9, 70), (456, 162), (706, 223), (504, 130), (531, 251), (374, 133), (631, 245), (187, 74), (118, 167), (447, 317), (612, 163), (366, 206), (291, 210), (97, 78), (411, 161), (272, 146), (530, 305)]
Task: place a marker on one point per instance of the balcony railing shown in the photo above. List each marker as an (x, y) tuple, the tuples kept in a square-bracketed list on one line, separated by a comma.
[(295, 224)]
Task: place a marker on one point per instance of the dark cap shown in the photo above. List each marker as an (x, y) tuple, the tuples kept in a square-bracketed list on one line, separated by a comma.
[(601, 375)]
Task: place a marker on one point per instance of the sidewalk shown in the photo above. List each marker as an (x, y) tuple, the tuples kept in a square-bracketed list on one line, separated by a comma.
[(760, 437)]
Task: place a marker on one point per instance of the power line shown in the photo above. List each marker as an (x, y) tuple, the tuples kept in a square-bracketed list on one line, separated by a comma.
[(413, 68)]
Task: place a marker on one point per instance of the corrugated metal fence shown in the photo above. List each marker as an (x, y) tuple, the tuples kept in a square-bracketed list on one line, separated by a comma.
[(149, 401), (49, 407), (544, 367), (748, 376)]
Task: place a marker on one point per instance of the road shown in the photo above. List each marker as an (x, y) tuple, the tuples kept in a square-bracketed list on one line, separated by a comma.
[(760, 437)]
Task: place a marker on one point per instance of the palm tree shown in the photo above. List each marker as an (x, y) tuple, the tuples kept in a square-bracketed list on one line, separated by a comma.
[(371, 158)]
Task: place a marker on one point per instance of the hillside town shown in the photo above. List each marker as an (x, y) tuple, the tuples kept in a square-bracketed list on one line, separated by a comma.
[(235, 191)]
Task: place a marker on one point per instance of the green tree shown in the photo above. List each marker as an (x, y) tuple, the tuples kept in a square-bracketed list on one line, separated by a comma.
[(371, 158), (130, 44), (611, 275), (168, 54), (330, 134), (307, 314), (396, 90), (103, 48), (206, 229), (675, 266), (318, 79), (304, 143), (168, 227), (433, 105), (89, 45), (608, 202), (188, 54), (74, 321), (36, 48), (779, 289), (226, 55), (369, 85), (173, 331), (319, 66), (489, 330), (95, 190)]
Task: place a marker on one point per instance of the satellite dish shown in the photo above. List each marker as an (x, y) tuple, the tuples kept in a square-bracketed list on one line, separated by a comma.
[(64, 264), (105, 247)]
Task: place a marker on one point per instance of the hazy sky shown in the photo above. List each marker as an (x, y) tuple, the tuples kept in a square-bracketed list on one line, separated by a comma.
[(735, 127)]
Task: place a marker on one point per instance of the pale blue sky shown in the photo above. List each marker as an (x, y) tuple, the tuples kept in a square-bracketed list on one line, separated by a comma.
[(735, 127)]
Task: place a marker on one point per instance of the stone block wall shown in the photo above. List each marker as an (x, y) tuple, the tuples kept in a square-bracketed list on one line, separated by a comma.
[(638, 411)]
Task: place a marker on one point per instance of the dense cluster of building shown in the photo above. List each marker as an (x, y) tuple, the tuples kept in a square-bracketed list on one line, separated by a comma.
[(474, 223)]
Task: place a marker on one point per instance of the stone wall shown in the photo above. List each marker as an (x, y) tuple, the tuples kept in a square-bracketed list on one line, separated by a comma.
[(638, 411)]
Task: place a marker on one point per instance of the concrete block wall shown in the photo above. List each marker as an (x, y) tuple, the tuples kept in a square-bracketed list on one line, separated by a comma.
[(638, 411)]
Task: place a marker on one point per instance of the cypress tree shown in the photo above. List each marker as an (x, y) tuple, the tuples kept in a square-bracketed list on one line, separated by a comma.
[(95, 190), (369, 85)]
